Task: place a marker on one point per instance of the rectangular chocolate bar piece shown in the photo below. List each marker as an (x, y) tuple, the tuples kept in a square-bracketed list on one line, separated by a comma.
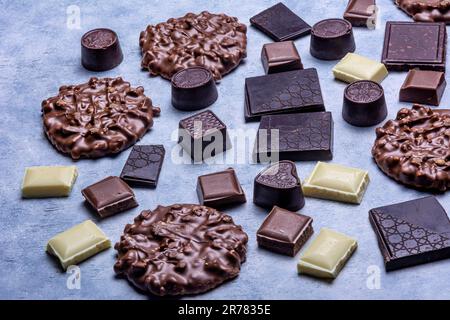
[(361, 13), (423, 86), (203, 135), (110, 196), (48, 181), (354, 67), (335, 182), (299, 136), (78, 243), (280, 23), (280, 57), (219, 189), (286, 92), (410, 45), (412, 232), (284, 231), (144, 165), (327, 254)]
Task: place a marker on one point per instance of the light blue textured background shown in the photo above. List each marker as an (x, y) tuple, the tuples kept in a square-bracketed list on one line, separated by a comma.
[(38, 53)]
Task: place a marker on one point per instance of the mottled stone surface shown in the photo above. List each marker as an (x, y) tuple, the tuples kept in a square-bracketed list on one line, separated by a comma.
[(38, 53)]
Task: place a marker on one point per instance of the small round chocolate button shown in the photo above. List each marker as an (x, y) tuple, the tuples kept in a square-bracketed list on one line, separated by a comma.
[(100, 50), (364, 103), (193, 89)]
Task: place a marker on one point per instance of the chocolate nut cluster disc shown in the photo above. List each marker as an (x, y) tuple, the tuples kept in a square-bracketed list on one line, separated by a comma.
[(97, 118), (215, 41), (414, 149), (180, 249)]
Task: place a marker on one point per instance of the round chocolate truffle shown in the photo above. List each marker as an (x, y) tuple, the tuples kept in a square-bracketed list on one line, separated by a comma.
[(193, 89), (100, 50), (332, 39), (364, 103)]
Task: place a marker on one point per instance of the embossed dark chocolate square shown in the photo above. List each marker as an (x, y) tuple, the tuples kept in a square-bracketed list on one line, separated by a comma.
[(410, 45), (411, 232), (203, 135), (219, 189), (285, 92), (144, 165), (284, 231), (280, 23), (298, 136), (109, 196)]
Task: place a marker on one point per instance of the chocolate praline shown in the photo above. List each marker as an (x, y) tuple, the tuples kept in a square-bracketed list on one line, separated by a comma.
[(100, 50), (364, 103), (332, 39)]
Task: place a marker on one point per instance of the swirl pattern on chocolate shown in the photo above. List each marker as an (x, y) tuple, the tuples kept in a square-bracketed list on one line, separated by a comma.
[(180, 249), (97, 118), (215, 41), (414, 149), (280, 175), (363, 91)]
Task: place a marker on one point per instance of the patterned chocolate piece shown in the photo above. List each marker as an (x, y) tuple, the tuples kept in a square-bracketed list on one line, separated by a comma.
[(109, 196), (100, 50), (97, 118), (412, 232), (279, 185), (409, 45), (299, 136), (215, 41), (144, 165), (219, 189), (280, 23), (426, 10), (180, 249), (332, 39), (203, 135), (286, 92), (284, 231), (414, 148)]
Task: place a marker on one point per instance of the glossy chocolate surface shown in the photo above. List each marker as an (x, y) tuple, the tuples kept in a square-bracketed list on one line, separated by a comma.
[(280, 23), (215, 41), (280, 57), (410, 45), (97, 118), (411, 232), (109, 196), (219, 189), (284, 231), (423, 86), (426, 10), (364, 103), (143, 165), (332, 39), (414, 148), (286, 92), (279, 185), (180, 249), (100, 50), (361, 13), (193, 88), (301, 136)]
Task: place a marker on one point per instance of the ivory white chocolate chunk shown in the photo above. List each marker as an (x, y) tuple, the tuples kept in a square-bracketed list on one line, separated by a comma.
[(354, 67), (48, 181), (78, 243), (327, 254), (336, 182)]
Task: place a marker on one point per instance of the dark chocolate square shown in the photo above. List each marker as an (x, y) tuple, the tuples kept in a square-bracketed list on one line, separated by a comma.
[(285, 92), (109, 196), (284, 231), (301, 136), (144, 165), (411, 232), (423, 86), (203, 135), (280, 57), (280, 23), (410, 45), (219, 189)]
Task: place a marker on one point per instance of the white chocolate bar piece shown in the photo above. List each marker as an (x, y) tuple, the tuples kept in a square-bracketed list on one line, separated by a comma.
[(54, 181), (354, 67)]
